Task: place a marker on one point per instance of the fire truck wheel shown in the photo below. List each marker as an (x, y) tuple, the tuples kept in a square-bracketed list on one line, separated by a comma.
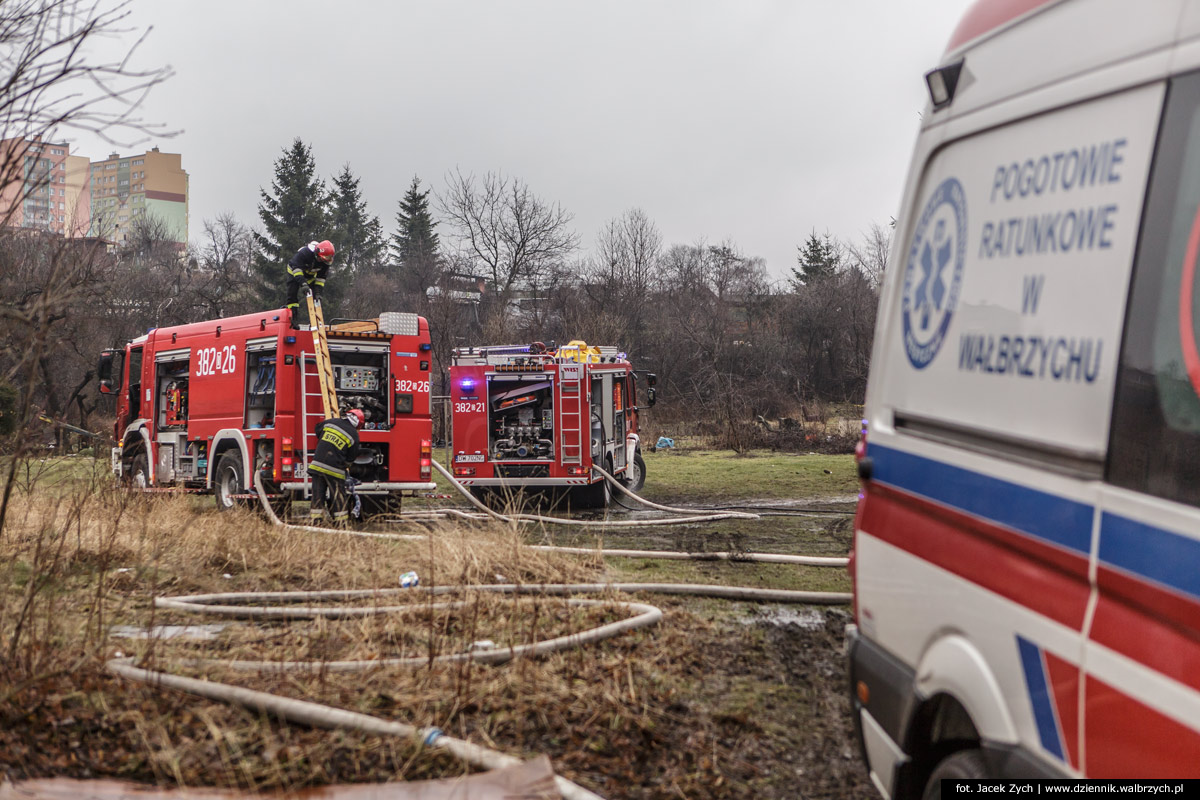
[(635, 473), (228, 481), (963, 764), (139, 471)]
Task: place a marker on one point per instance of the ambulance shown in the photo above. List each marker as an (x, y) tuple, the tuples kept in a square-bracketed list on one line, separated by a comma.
[(1026, 561)]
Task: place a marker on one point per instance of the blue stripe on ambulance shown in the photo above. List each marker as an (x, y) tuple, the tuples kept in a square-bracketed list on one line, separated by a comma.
[(1053, 519), (1044, 713), (1138, 549), (1150, 553)]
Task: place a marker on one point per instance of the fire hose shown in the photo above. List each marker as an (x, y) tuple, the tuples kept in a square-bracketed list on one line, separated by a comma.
[(314, 714)]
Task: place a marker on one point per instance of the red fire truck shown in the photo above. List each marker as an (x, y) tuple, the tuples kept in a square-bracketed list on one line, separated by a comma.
[(532, 416), (201, 406)]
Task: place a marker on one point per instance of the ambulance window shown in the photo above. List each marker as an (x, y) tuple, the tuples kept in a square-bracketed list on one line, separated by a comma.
[(1155, 440)]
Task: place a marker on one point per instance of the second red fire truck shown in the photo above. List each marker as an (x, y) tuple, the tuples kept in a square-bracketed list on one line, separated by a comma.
[(537, 417), (203, 406)]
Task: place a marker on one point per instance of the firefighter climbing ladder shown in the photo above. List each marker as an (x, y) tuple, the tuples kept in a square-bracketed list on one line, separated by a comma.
[(324, 365)]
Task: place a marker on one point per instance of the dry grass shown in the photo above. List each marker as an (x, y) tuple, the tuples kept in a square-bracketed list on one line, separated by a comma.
[(78, 557)]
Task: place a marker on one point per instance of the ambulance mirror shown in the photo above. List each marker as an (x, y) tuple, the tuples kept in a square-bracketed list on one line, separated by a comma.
[(650, 396)]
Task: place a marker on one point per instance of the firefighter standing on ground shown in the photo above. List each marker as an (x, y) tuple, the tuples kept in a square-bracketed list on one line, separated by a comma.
[(337, 445), (309, 266)]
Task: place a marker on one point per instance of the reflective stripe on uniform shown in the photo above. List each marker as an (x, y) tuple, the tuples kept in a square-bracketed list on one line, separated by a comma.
[(294, 271), (319, 282), (325, 469)]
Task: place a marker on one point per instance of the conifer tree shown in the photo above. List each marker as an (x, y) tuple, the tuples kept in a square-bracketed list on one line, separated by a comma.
[(415, 245), (357, 235), (293, 214), (819, 258)]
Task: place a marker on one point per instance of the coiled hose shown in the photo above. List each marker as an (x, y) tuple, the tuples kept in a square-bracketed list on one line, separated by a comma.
[(239, 604)]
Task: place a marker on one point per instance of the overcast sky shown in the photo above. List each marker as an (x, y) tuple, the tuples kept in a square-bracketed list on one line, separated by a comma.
[(741, 120)]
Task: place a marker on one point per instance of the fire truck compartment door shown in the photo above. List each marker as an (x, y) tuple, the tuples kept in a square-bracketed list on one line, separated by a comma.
[(167, 356), (357, 347)]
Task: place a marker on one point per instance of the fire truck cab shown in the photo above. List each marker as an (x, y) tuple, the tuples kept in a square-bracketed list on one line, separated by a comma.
[(200, 406), (533, 416)]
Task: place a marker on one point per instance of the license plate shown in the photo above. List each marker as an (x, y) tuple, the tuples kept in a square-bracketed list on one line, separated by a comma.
[(468, 457), (301, 470)]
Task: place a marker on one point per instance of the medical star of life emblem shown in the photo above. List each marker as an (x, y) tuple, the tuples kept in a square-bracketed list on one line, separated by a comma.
[(933, 273)]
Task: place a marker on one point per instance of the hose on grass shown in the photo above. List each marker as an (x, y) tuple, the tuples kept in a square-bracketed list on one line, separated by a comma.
[(433, 516), (317, 715), (247, 605)]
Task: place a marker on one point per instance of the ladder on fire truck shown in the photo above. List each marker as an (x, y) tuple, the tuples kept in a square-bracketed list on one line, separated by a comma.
[(324, 364), (324, 374), (571, 406)]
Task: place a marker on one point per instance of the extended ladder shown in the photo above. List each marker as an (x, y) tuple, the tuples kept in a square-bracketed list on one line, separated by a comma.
[(321, 349)]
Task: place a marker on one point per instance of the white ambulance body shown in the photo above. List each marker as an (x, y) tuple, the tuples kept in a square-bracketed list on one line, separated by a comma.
[(1027, 547)]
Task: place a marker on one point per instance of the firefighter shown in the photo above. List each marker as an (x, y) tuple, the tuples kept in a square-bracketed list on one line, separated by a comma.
[(337, 445), (309, 266)]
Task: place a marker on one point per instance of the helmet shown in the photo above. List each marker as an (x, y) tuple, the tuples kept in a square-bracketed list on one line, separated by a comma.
[(356, 417), (325, 251)]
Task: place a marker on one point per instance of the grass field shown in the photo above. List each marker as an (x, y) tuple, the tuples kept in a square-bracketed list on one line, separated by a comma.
[(720, 699), (714, 476)]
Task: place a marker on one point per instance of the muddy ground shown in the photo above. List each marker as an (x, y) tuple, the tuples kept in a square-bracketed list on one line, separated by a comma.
[(721, 700), (765, 715)]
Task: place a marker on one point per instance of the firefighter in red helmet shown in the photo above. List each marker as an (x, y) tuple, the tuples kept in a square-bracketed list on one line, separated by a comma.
[(309, 266), (337, 445)]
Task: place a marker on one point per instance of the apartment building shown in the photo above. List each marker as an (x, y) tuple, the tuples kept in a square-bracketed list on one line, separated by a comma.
[(42, 187), (124, 189)]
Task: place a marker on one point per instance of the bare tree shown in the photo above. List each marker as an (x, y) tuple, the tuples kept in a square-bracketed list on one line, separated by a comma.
[(226, 279), (48, 85), (624, 272), (871, 255), (506, 233)]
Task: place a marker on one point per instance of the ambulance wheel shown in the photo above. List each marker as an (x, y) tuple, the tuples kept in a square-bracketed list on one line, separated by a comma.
[(635, 473), (228, 480), (963, 764), (139, 471)]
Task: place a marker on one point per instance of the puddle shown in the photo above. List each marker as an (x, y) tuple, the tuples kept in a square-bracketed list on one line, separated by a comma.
[(201, 632), (807, 619)]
